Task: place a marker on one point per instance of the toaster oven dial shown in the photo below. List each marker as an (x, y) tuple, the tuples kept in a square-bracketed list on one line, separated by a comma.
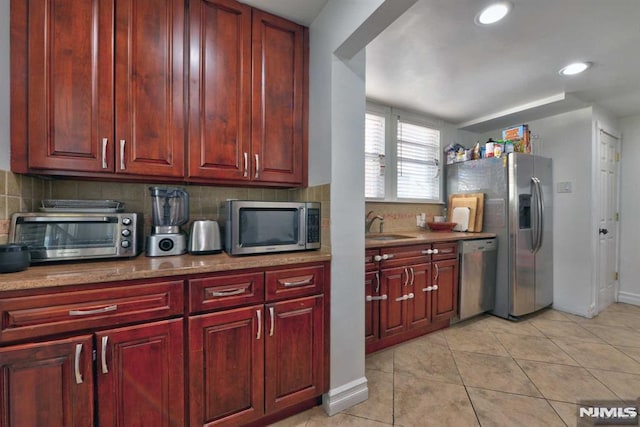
[(126, 221), (126, 232), (125, 243)]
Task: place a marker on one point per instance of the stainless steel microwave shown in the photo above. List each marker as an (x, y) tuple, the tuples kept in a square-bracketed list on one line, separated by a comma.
[(77, 236), (258, 227)]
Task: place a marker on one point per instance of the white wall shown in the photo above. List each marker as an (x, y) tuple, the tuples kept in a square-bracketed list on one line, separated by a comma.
[(4, 85), (629, 208), (336, 155)]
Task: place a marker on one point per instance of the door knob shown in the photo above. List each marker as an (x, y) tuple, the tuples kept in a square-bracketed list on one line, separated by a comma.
[(603, 231)]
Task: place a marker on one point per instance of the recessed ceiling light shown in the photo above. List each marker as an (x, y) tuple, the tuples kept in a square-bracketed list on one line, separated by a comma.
[(575, 68), (493, 13)]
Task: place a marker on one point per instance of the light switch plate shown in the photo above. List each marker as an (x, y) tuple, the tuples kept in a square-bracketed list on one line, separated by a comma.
[(564, 187)]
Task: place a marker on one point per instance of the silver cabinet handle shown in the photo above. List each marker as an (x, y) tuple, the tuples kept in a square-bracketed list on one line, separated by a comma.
[(434, 288), (410, 296), (435, 279), (214, 293), (103, 354), (387, 256), (257, 166), (413, 276), (369, 298), (246, 165), (377, 258), (259, 317), (299, 283), (122, 146), (105, 141), (106, 309), (378, 282), (435, 252), (76, 364), (271, 315), (406, 276), (427, 252), (427, 289)]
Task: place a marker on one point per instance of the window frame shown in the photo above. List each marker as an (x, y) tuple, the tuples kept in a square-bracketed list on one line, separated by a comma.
[(391, 115)]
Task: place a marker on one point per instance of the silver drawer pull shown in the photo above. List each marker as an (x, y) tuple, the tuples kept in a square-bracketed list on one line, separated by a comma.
[(377, 258), (434, 288), (76, 364), (106, 309), (299, 283), (436, 251), (387, 256), (380, 298), (427, 252), (226, 293), (103, 354), (427, 289), (405, 297)]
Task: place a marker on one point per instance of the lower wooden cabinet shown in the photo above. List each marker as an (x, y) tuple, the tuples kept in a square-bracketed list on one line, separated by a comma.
[(414, 292), (253, 361), (139, 379), (47, 384)]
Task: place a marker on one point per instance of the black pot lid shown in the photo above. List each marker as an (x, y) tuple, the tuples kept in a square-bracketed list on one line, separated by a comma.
[(13, 247)]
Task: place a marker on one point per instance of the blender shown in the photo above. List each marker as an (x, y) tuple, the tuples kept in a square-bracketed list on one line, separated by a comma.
[(170, 210)]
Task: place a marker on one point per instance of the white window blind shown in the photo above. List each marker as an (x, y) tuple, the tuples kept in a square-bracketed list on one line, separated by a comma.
[(418, 153), (374, 153)]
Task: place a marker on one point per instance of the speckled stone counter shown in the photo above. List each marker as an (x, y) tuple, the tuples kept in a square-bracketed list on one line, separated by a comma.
[(142, 267), (421, 237)]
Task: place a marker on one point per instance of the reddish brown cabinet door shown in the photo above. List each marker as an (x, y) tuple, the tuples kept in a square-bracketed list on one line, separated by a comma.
[(140, 375), (278, 87), (226, 367), (294, 351), (445, 297), (47, 384), (220, 90), (150, 97), (371, 307), (420, 305), (393, 310), (62, 85)]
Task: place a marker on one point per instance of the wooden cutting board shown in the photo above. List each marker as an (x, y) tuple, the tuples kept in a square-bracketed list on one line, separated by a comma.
[(475, 202)]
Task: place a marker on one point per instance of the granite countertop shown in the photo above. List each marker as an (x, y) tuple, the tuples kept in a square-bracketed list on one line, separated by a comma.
[(419, 237), (143, 267)]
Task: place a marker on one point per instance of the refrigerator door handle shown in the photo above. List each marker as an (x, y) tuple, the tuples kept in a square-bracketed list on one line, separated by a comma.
[(539, 206), (534, 222)]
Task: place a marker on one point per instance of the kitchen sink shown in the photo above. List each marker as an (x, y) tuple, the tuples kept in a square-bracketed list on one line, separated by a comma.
[(388, 237)]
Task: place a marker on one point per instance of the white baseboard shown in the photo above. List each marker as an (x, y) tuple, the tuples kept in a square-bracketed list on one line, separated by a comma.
[(629, 298), (344, 397), (587, 312)]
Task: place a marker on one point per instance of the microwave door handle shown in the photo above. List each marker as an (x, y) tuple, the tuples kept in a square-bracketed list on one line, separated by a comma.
[(65, 219), (303, 226)]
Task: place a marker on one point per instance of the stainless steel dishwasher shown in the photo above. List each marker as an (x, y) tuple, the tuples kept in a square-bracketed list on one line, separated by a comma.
[(478, 260)]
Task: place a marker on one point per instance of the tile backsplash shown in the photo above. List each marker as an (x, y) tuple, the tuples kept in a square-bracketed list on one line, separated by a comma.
[(21, 193), (400, 216)]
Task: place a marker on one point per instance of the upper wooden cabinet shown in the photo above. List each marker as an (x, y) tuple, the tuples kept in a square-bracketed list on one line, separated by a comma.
[(247, 112), (98, 86), (129, 89)]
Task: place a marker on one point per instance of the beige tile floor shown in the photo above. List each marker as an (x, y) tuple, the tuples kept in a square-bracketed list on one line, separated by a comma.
[(487, 371)]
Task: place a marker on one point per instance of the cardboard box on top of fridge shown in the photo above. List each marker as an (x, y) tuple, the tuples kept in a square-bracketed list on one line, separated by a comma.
[(520, 136)]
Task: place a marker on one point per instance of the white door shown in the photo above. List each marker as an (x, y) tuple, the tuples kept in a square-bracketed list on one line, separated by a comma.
[(609, 149)]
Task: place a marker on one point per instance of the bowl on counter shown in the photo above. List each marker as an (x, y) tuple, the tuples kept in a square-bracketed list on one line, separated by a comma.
[(441, 226), (14, 257)]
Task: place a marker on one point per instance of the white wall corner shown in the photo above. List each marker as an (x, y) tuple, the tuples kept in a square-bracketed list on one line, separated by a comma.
[(629, 298), (345, 396), (587, 312)]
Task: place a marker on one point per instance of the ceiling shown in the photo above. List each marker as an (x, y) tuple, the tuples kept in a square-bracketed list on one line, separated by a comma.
[(435, 60)]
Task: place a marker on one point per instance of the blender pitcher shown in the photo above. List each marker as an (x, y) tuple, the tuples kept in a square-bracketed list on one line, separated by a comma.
[(170, 210)]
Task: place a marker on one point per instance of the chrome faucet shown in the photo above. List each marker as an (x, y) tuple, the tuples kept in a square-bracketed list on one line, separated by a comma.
[(368, 221)]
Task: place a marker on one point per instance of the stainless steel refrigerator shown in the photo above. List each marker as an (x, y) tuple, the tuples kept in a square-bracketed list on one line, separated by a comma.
[(518, 208)]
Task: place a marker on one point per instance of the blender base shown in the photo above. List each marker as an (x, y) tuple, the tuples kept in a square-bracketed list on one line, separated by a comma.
[(166, 244)]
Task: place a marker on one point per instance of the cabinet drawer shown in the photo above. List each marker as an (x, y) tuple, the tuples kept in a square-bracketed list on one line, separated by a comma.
[(225, 290), (401, 256), (46, 314), (295, 282), (369, 263), (448, 250)]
